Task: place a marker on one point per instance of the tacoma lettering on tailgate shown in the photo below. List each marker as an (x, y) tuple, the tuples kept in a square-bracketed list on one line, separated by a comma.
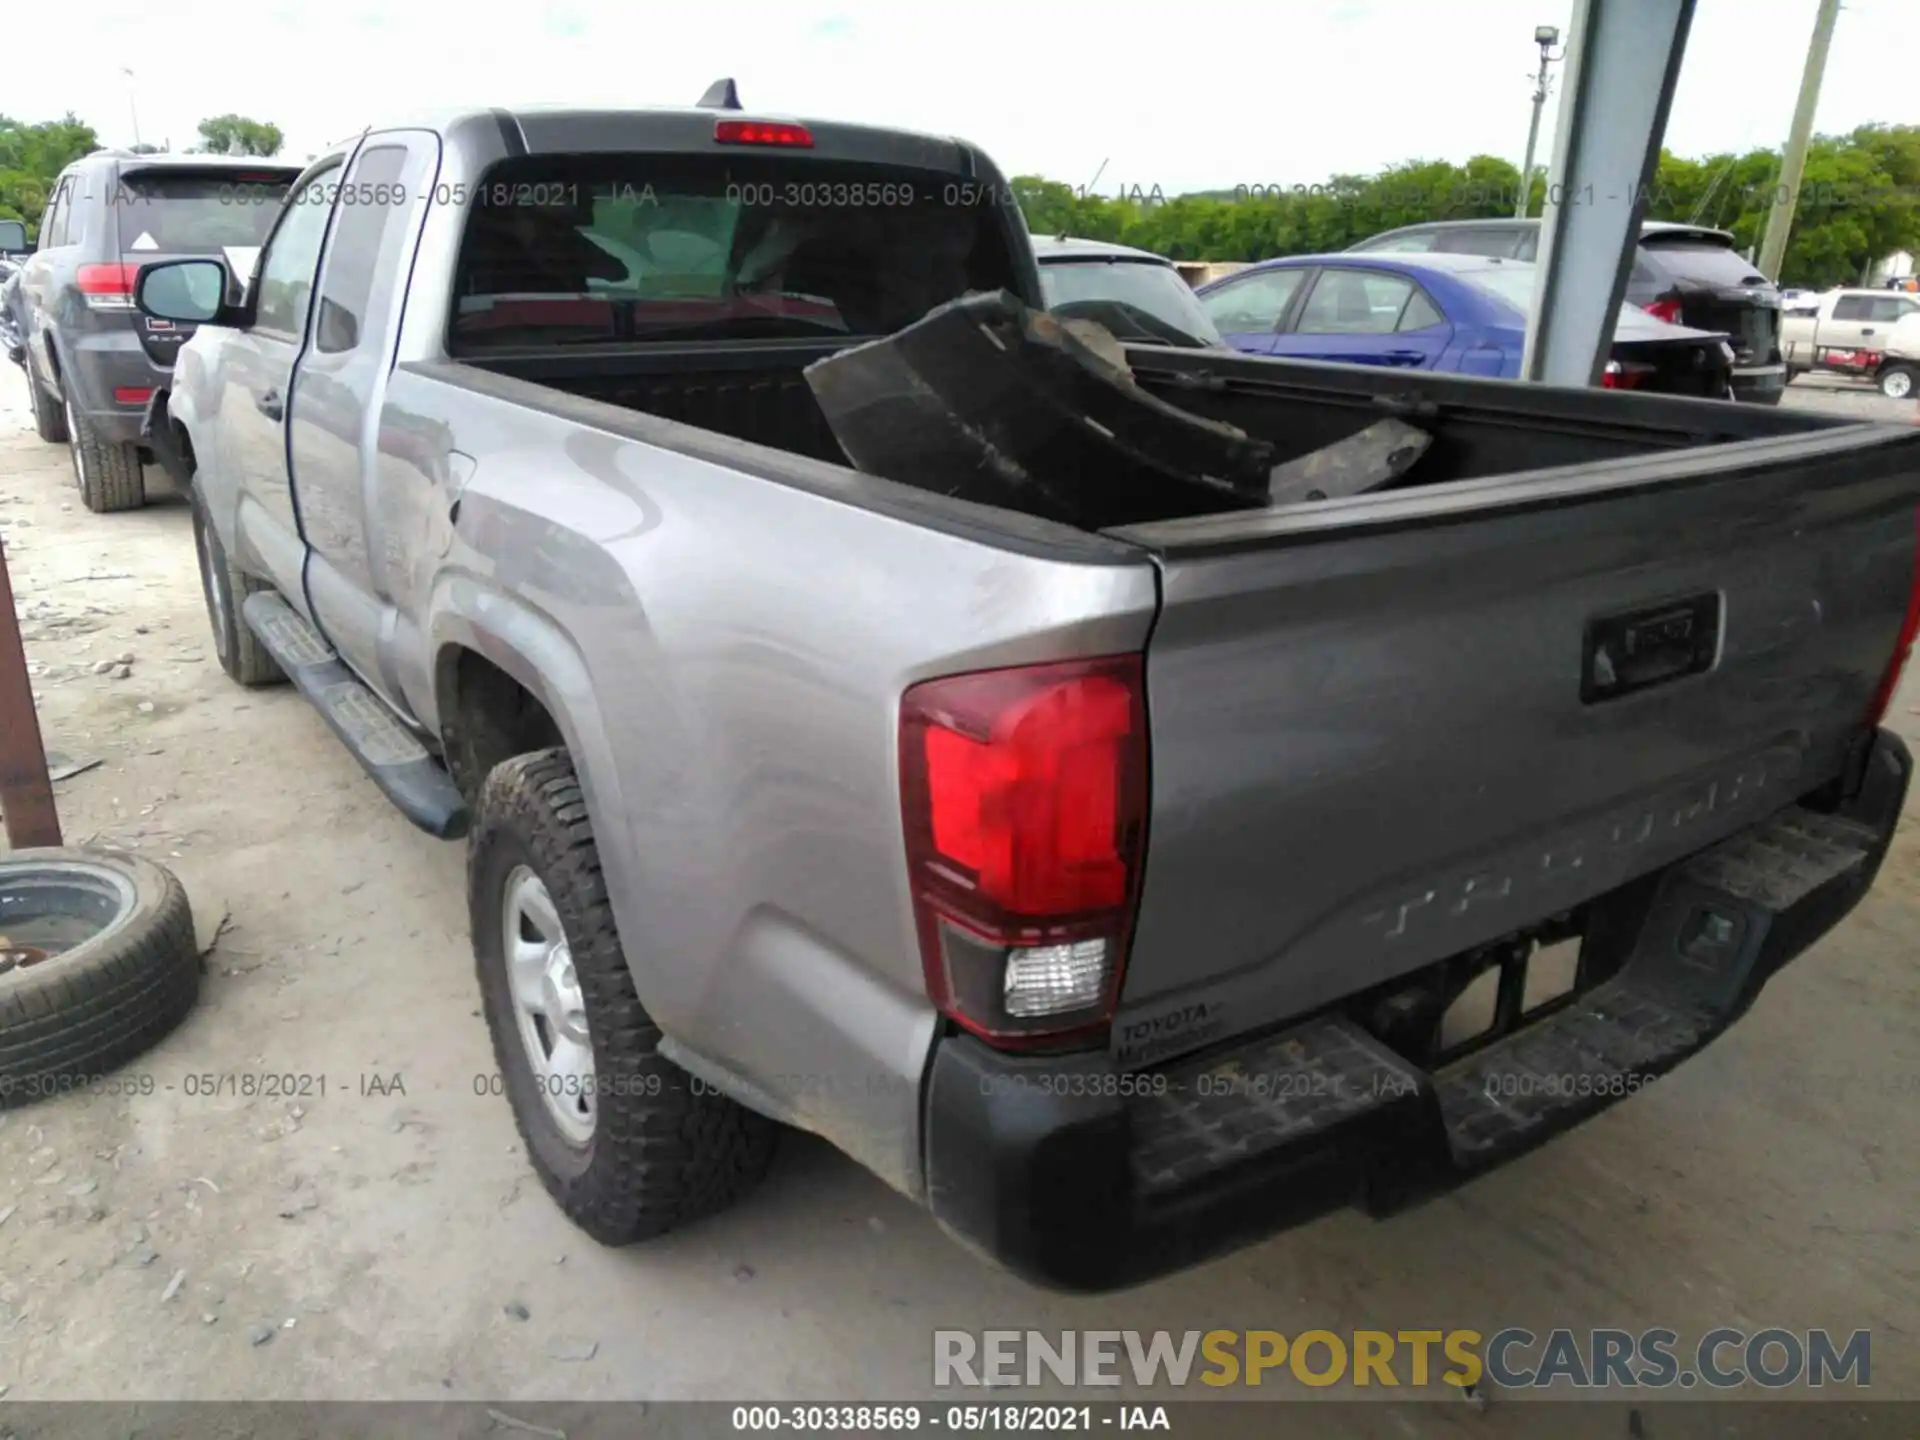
[(1605, 844)]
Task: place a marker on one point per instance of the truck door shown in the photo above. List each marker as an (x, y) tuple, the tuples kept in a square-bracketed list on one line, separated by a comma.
[(259, 372), (334, 422)]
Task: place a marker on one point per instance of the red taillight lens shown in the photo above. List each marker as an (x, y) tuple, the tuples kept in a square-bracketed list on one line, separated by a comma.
[(1903, 646), (132, 394), (1024, 795), (1667, 310), (107, 287), (1627, 376), (762, 132)]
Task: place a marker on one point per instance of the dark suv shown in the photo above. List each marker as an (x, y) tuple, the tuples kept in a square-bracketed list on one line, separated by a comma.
[(1685, 274), (92, 359)]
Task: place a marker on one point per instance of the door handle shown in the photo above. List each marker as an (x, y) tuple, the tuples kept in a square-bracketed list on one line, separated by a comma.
[(1405, 357), (1866, 329), (269, 405)]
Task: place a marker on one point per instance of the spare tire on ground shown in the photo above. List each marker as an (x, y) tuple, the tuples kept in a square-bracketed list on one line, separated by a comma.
[(98, 961)]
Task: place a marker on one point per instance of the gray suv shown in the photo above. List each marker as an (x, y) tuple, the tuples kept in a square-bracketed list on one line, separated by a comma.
[(93, 360)]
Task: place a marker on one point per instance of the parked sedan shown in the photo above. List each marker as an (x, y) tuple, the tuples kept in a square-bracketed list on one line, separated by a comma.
[(1462, 313)]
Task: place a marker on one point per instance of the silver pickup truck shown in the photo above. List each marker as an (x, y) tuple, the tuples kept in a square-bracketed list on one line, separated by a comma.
[(1119, 895)]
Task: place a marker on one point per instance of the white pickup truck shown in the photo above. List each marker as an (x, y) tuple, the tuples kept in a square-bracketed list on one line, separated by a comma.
[(1851, 333)]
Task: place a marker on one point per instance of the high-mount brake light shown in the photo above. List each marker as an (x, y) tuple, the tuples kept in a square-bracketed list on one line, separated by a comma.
[(763, 132)]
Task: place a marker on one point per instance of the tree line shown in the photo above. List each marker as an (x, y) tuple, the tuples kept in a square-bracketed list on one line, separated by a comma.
[(1859, 198), (1859, 203)]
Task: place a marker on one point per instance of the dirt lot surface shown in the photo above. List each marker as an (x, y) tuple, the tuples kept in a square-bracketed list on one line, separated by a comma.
[(385, 1239)]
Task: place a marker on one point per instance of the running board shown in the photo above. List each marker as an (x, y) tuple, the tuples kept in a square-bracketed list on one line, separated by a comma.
[(392, 755)]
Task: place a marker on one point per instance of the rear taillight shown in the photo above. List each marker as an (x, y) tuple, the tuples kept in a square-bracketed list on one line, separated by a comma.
[(1903, 646), (107, 287), (1024, 795), (1625, 376), (1667, 310)]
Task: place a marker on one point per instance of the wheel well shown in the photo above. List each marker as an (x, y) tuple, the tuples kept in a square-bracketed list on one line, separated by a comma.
[(486, 716)]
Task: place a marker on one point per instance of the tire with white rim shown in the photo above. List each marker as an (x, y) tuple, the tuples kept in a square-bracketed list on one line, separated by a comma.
[(627, 1143), (223, 586), (108, 473), (97, 963), (1899, 382)]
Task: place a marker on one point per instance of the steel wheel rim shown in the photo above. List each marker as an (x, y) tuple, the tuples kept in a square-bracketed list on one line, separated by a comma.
[(74, 447), (549, 1010), (49, 908), (1898, 386)]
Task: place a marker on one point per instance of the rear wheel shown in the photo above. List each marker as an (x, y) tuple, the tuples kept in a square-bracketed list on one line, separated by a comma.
[(107, 471), (628, 1144), (223, 587), (49, 421), (1898, 382)]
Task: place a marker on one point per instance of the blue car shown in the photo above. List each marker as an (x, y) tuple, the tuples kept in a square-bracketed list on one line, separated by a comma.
[(1461, 313)]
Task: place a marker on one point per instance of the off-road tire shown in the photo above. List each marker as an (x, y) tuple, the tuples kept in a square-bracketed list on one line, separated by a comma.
[(108, 473), (70, 1020), (665, 1150), (49, 420), (238, 649)]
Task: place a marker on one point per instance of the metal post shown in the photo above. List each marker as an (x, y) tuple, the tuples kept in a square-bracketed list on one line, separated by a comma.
[(26, 793), (133, 108), (1793, 160), (1623, 58)]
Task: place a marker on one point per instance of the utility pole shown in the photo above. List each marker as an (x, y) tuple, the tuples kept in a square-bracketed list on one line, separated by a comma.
[(133, 108), (1546, 37), (1793, 160)]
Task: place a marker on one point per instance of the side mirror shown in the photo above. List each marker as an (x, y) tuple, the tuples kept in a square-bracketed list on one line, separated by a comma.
[(13, 235), (189, 291)]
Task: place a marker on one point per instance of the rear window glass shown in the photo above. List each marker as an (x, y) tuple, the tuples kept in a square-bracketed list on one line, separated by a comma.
[(578, 250), (1706, 262), (1136, 299), (173, 213)]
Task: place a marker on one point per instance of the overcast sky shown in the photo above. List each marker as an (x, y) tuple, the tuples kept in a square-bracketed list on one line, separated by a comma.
[(1183, 97)]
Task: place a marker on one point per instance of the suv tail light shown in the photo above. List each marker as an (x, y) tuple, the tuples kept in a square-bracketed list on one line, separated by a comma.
[(1903, 646), (1667, 310), (107, 287), (1024, 796)]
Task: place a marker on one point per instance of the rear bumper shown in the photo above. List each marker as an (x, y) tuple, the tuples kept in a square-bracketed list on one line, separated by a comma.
[(1760, 384), (94, 366), (1081, 1177)]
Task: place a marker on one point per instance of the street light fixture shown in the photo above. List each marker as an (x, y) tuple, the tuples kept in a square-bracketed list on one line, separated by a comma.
[(1546, 37)]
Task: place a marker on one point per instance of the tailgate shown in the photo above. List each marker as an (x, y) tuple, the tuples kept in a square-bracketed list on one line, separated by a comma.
[(1398, 727)]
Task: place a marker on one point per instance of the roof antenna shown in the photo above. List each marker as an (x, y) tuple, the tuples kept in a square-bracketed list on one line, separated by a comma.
[(720, 96), (1090, 184)]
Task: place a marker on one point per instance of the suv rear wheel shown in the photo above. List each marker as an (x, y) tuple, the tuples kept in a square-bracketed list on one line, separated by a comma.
[(108, 473)]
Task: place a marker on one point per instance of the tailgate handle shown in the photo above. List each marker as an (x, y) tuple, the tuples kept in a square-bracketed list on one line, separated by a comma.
[(1639, 649)]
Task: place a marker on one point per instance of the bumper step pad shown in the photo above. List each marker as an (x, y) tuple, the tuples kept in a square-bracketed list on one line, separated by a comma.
[(1707, 943)]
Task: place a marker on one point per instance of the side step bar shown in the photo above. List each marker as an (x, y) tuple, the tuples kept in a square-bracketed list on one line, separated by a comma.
[(390, 753)]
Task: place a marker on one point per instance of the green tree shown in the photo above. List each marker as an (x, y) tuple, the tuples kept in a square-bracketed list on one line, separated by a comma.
[(237, 135), (1859, 202), (31, 159)]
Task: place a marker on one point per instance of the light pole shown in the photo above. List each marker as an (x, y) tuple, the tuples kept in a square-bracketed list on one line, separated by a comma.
[(1793, 159), (132, 108), (1546, 37)]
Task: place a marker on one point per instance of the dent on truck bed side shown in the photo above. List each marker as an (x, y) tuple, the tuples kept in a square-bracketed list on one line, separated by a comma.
[(726, 653)]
